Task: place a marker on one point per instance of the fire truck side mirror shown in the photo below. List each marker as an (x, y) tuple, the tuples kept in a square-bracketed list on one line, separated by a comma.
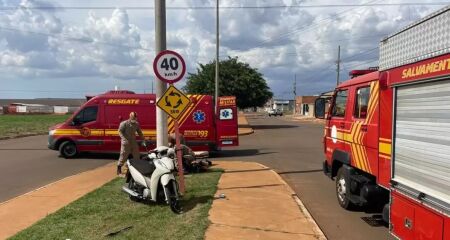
[(319, 108)]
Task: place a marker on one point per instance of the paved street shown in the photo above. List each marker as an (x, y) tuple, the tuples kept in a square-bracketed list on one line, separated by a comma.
[(294, 149), (27, 164)]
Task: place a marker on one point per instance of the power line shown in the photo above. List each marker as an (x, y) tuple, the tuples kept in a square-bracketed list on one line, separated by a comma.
[(224, 7), (304, 28), (363, 63), (361, 53)]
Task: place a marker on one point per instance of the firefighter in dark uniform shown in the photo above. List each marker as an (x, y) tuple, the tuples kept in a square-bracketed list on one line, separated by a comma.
[(129, 145)]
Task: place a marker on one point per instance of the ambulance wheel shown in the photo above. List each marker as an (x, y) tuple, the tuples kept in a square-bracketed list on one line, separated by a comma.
[(343, 189), (68, 149)]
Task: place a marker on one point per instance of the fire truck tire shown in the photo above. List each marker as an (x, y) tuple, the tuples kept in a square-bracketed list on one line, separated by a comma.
[(343, 188), (68, 149)]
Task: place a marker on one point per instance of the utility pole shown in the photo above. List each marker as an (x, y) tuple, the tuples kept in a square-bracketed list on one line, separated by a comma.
[(295, 92), (216, 92), (338, 64), (161, 87)]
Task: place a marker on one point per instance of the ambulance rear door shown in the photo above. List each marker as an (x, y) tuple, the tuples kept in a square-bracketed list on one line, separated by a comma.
[(227, 122)]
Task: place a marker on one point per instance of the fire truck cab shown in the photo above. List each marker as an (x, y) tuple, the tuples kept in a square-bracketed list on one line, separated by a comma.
[(351, 142)]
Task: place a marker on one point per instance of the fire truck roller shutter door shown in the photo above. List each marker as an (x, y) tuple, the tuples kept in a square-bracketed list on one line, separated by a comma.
[(422, 138)]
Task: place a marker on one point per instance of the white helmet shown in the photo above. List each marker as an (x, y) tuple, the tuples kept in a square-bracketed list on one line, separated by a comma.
[(161, 151), (171, 153)]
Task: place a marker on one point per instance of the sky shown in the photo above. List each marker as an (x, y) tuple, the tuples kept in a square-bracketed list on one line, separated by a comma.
[(70, 49)]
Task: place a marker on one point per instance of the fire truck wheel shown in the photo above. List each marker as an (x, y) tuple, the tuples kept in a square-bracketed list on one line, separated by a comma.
[(343, 189), (68, 149)]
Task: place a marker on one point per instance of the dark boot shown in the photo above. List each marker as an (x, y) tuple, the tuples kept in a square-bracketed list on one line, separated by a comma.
[(119, 170)]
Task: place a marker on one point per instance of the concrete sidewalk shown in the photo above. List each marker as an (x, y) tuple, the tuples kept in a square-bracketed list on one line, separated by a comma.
[(308, 119), (258, 204)]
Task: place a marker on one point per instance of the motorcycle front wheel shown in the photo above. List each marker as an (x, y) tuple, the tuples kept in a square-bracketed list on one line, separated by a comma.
[(173, 201)]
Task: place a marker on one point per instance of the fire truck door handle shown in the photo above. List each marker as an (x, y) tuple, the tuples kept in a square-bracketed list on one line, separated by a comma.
[(364, 128), (408, 223)]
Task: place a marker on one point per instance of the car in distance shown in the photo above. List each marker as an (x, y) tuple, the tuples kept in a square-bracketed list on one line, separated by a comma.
[(275, 112)]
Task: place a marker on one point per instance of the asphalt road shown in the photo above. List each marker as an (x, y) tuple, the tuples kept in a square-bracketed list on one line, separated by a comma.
[(294, 150), (27, 164)]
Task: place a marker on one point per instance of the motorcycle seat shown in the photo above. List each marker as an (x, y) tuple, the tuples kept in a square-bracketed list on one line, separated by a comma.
[(146, 168)]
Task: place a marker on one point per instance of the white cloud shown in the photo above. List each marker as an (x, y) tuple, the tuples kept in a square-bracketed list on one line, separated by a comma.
[(117, 44)]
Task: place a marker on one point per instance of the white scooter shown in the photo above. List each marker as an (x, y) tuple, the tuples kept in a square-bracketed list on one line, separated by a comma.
[(154, 180)]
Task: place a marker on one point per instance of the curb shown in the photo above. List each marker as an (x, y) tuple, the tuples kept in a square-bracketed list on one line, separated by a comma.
[(303, 209), (246, 131), (244, 126)]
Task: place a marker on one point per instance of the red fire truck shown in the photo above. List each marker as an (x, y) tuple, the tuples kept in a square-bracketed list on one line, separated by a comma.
[(387, 133), (93, 128)]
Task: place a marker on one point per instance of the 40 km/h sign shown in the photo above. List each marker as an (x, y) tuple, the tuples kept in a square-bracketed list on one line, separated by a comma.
[(169, 66), (173, 102)]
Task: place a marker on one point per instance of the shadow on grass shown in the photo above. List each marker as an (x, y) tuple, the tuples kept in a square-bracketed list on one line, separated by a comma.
[(192, 202)]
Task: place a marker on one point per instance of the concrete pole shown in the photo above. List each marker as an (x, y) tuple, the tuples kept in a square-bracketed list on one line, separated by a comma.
[(338, 63), (295, 93), (161, 87), (216, 92)]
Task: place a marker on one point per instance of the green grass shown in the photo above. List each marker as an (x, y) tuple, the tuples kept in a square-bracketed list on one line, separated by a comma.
[(18, 125), (108, 209)]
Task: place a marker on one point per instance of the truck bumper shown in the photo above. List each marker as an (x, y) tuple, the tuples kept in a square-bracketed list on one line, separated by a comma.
[(51, 143)]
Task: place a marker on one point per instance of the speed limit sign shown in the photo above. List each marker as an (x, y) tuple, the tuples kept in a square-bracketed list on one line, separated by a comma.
[(169, 66)]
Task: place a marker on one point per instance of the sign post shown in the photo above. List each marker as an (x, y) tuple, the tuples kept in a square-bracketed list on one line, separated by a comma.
[(170, 67)]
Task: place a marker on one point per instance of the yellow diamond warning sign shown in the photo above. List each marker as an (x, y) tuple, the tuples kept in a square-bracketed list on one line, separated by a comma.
[(173, 102)]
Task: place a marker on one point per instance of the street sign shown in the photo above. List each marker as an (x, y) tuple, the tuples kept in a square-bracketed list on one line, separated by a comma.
[(173, 102), (169, 66)]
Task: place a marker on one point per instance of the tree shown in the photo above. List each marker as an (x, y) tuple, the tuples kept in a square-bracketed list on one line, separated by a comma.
[(236, 78)]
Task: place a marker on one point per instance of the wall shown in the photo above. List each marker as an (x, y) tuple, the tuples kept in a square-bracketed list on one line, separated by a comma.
[(305, 100)]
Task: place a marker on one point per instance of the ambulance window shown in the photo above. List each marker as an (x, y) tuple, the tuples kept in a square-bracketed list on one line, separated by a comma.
[(88, 114), (362, 102), (340, 104)]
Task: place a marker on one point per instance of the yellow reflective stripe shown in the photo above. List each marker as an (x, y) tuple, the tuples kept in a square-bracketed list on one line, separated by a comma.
[(99, 132), (366, 160), (360, 157), (61, 133), (385, 140), (384, 148), (149, 132)]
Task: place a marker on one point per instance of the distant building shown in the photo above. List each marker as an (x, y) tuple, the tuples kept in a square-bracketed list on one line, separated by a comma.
[(282, 104), (45, 101), (305, 105), (40, 105)]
